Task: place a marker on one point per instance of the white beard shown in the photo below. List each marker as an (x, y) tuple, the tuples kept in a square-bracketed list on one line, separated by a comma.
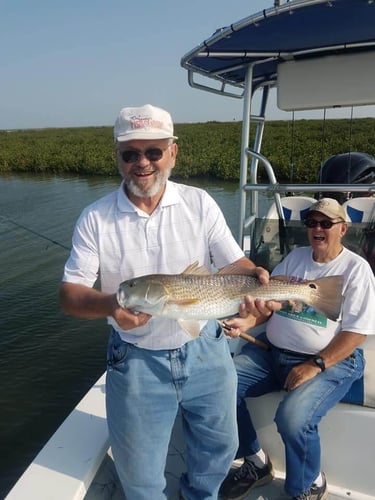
[(160, 180)]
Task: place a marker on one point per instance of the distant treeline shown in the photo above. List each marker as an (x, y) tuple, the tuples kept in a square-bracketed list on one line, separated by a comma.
[(296, 149)]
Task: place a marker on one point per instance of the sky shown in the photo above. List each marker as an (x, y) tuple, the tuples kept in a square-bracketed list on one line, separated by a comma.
[(74, 63), (78, 62)]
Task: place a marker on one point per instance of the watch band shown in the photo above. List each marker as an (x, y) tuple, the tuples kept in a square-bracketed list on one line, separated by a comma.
[(319, 361)]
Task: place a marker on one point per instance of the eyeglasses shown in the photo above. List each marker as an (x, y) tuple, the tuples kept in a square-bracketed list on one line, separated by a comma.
[(152, 154), (324, 224)]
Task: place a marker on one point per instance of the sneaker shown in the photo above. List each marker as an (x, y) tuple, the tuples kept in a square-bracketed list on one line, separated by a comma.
[(315, 492), (241, 480)]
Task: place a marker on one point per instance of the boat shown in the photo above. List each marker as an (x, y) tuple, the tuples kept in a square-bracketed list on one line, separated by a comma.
[(316, 55)]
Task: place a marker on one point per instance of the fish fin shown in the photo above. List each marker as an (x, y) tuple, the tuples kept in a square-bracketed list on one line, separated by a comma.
[(281, 277), (195, 268), (328, 297), (191, 326)]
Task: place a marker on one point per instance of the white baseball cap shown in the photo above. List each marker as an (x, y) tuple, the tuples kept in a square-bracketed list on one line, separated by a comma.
[(145, 122)]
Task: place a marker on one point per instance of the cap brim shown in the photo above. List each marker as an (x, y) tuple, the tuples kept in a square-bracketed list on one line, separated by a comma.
[(143, 136)]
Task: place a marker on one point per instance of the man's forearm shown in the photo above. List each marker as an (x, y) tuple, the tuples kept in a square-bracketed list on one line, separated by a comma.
[(341, 347), (86, 303)]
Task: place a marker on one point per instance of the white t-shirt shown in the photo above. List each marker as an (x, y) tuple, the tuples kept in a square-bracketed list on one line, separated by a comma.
[(115, 241), (308, 331)]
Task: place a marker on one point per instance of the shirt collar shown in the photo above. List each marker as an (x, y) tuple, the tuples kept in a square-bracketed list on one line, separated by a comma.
[(171, 195)]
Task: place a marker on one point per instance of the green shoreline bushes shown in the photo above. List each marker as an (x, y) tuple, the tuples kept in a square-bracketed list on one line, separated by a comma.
[(295, 149)]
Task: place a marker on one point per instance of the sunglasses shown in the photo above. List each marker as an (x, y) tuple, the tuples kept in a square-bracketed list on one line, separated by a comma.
[(152, 154), (324, 224)]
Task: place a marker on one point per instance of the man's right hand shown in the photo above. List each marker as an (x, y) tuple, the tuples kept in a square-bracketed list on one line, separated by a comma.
[(128, 319), (252, 312)]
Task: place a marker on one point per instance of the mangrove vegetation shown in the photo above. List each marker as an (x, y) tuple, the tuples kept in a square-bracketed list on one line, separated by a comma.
[(295, 149)]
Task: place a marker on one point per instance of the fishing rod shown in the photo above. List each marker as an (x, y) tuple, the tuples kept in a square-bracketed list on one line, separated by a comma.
[(246, 336), (17, 224)]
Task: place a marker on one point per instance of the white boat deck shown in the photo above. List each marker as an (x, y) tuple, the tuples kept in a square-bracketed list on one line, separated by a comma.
[(106, 484), (106, 487)]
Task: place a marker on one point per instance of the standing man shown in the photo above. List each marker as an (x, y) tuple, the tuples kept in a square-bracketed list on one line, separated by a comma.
[(315, 360), (152, 225)]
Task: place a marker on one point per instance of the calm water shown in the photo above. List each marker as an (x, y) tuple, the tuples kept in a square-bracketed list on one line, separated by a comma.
[(48, 361)]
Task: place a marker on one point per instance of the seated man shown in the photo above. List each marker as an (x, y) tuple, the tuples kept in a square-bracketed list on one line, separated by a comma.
[(315, 360)]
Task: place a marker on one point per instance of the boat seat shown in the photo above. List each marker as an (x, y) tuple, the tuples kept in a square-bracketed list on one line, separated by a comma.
[(360, 209), (361, 232), (69, 461), (294, 208), (345, 432)]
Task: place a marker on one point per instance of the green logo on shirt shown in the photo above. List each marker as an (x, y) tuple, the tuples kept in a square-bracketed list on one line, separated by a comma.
[(307, 315)]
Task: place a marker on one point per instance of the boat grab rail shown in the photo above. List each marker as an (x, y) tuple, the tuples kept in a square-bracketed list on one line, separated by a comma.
[(279, 188), (275, 187), (256, 157)]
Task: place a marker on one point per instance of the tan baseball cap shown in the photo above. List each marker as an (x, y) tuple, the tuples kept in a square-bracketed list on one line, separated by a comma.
[(329, 207)]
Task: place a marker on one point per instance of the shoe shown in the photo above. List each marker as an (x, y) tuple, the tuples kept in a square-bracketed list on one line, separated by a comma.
[(241, 480), (315, 492)]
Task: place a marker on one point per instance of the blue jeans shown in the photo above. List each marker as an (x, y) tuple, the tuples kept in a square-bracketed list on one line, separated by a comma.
[(144, 391), (299, 413)]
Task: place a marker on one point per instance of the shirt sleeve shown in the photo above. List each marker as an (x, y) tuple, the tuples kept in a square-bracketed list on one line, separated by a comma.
[(358, 311), (82, 267)]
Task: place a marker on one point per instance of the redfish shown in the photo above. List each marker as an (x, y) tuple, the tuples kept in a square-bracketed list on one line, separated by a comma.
[(196, 294)]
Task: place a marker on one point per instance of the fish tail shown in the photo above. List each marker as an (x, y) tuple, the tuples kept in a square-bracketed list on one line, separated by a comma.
[(327, 295)]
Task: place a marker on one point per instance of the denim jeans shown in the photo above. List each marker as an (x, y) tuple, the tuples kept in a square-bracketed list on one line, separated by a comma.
[(300, 411), (144, 391)]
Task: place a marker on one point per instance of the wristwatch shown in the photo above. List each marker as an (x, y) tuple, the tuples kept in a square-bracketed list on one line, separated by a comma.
[(319, 361)]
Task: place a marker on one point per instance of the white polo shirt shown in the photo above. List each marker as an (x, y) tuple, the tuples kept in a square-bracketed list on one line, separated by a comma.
[(115, 241)]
